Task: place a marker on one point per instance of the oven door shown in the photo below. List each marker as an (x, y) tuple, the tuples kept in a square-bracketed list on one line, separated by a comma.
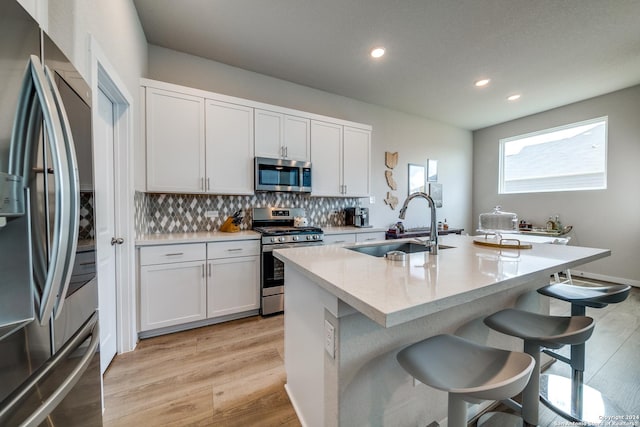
[(272, 277)]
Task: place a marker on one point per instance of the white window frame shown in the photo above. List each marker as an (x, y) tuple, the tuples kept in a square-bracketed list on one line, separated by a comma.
[(501, 179)]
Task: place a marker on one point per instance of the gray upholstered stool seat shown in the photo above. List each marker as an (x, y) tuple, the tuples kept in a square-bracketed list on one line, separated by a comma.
[(587, 296), (571, 398), (538, 330), (466, 370)]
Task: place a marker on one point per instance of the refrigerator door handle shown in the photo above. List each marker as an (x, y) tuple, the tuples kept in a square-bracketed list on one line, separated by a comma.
[(73, 227), (89, 329), (36, 91)]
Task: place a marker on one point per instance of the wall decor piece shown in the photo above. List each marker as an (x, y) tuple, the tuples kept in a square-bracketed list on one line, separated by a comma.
[(432, 170), (391, 200), (416, 178), (390, 181), (435, 191), (391, 159)]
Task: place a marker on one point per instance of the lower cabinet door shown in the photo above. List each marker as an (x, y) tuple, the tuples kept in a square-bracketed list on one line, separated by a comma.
[(234, 286), (171, 294)]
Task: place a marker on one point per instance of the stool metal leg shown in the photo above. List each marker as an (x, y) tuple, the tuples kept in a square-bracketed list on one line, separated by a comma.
[(571, 398), (456, 412), (531, 393)]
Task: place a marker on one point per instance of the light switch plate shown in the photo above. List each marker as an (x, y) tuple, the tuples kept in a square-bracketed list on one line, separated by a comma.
[(372, 200)]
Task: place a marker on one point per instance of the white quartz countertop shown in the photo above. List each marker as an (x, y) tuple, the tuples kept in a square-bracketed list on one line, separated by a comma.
[(348, 229), (392, 292), (198, 237)]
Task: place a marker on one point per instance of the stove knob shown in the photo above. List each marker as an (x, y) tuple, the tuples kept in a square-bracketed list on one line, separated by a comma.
[(315, 237), (282, 239), (308, 237), (273, 239), (296, 238)]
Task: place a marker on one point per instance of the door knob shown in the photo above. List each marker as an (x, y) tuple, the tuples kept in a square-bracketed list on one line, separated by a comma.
[(118, 240)]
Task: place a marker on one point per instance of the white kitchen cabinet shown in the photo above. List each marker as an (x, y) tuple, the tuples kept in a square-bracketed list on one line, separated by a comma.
[(229, 148), (333, 239), (282, 136), (373, 236), (173, 287), (234, 286), (175, 141), (356, 161), (233, 283), (326, 159), (341, 160)]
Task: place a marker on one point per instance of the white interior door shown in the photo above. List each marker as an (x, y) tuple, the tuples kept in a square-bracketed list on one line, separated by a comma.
[(105, 228)]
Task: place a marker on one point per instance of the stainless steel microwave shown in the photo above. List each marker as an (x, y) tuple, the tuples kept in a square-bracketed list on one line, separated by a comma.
[(282, 175)]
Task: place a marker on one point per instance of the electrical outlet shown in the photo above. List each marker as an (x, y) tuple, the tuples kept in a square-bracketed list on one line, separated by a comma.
[(330, 339), (372, 200), (211, 214)]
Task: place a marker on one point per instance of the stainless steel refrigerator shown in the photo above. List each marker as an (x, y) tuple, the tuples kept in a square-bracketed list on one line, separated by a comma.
[(49, 338)]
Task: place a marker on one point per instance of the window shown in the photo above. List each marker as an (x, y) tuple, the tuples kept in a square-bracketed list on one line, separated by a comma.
[(566, 158)]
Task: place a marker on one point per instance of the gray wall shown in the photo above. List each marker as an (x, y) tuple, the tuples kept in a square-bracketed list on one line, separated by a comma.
[(605, 218), (415, 138)]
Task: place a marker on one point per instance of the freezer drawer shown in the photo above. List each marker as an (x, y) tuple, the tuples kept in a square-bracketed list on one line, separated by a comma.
[(65, 389)]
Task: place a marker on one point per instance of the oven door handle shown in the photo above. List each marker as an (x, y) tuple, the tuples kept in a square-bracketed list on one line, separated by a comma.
[(270, 248)]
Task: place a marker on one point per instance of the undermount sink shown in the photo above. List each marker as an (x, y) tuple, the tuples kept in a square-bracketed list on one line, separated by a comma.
[(379, 250)]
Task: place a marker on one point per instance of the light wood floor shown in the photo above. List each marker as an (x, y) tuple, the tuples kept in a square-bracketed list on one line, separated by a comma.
[(232, 374)]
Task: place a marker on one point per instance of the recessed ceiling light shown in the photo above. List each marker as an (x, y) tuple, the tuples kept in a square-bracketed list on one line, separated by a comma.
[(377, 52), (513, 97), (483, 82)]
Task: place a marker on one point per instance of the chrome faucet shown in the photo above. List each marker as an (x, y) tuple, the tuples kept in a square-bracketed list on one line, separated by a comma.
[(432, 244)]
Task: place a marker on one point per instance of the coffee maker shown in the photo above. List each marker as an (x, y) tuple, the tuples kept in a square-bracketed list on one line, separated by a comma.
[(358, 217)]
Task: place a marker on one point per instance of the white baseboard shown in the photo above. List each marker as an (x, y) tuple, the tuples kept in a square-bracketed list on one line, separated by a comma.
[(295, 406), (588, 275)]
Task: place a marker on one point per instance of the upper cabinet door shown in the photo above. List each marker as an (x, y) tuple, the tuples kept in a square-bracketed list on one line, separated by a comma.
[(356, 162), (175, 142), (326, 159), (268, 134), (282, 136), (229, 148), (297, 138)]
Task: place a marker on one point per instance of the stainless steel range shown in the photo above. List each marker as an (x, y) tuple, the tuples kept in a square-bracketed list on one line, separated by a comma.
[(278, 231)]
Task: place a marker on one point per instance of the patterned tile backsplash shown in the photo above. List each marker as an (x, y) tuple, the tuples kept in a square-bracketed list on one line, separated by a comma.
[(86, 226), (178, 213)]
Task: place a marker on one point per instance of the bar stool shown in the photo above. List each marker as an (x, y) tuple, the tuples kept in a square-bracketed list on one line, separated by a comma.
[(571, 398), (466, 371), (538, 330)]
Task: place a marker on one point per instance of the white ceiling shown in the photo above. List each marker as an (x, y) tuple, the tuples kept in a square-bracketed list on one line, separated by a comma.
[(553, 52)]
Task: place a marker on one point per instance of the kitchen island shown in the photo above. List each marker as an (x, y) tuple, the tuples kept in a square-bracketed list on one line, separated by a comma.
[(347, 314)]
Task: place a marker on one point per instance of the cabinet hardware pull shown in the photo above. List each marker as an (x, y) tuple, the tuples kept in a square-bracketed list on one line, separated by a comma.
[(202, 266), (87, 263), (202, 183), (234, 250), (175, 254), (208, 184), (209, 270), (339, 241)]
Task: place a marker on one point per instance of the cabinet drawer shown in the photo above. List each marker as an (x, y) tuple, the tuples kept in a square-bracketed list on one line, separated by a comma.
[(164, 254), (233, 249), (339, 239), (370, 237)]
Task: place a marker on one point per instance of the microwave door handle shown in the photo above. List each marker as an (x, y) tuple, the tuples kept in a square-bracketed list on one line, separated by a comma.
[(39, 92), (72, 200), (89, 329)]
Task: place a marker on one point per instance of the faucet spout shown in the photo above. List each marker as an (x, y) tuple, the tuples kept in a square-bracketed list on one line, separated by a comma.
[(433, 230)]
